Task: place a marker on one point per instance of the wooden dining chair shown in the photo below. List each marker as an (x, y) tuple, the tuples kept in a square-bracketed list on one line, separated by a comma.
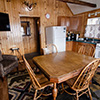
[(39, 82), (50, 48), (80, 84), (88, 50)]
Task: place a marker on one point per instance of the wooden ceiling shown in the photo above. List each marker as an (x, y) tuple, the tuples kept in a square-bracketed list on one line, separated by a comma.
[(80, 6), (79, 2)]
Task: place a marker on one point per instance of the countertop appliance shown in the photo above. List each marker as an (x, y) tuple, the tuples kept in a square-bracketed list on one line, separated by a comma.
[(57, 35), (77, 36), (73, 36), (97, 50)]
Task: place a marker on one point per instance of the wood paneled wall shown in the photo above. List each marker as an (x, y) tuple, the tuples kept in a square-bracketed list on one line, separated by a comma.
[(15, 8)]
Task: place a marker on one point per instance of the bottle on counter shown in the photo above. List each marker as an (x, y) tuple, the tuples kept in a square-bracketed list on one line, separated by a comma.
[(69, 35), (77, 36)]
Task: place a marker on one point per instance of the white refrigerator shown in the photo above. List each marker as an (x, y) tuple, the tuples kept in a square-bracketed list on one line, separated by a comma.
[(57, 35)]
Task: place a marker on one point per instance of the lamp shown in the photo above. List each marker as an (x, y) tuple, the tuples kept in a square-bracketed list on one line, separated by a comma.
[(29, 5)]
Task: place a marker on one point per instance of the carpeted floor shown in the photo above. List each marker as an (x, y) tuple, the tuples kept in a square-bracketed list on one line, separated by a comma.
[(18, 84)]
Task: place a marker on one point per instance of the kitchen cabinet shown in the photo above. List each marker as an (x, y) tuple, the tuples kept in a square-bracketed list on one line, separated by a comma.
[(75, 24), (71, 23), (69, 45), (74, 46)]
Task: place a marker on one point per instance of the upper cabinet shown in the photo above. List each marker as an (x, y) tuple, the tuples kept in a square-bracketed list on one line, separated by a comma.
[(71, 23)]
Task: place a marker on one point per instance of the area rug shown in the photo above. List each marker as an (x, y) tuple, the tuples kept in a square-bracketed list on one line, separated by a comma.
[(18, 86)]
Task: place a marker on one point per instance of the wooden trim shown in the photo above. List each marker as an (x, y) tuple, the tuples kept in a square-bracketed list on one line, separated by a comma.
[(79, 3), (22, 15)]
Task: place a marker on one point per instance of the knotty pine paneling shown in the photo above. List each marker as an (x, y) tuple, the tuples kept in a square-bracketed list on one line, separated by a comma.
[(2, 5), (15, 8)]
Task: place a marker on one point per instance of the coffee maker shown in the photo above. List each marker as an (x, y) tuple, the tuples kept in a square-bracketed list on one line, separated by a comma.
[(73, 36)]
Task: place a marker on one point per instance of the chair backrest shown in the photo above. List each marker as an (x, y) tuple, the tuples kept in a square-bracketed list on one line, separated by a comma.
[(88, 50), (50, 48), (86, 75), (32, 74)]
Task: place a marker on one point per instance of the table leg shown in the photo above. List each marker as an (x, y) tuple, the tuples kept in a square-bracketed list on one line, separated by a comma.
[(54, 92)]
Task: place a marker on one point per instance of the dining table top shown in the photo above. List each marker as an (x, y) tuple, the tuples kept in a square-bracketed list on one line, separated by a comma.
[(59, 67)]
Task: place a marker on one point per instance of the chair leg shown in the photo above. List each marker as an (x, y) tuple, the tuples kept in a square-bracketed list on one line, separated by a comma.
[(2, 78), (77, 98), (62, 88), (35, 95), (17, 69), (30, 87), (90, 94)]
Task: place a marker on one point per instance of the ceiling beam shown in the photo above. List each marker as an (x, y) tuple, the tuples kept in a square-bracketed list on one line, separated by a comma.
[(8, 0), (79, 2)]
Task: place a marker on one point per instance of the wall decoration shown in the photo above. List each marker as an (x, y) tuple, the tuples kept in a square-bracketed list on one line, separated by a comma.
[(29, 5), (47, 15)]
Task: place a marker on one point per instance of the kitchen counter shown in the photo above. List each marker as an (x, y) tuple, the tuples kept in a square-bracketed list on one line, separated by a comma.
[(74, 45), (84, 41)]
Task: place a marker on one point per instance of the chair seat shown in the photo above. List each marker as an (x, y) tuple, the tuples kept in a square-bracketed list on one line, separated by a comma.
[(8, 64), (44, 82), (71, 81)]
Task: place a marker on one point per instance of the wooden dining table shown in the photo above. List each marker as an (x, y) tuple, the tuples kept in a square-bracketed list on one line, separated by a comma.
[(59, 67)]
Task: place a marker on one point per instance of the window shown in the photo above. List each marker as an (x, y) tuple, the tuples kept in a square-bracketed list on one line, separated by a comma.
[(92, 29)]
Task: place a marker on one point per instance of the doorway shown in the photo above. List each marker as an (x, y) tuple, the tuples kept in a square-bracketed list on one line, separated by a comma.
[(30, 30)]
